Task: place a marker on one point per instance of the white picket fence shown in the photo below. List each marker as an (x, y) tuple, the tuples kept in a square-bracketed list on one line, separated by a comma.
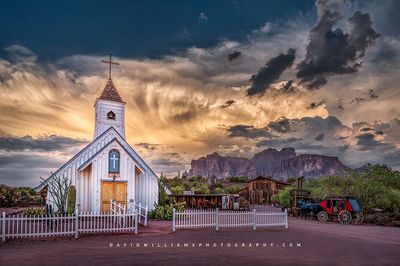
[(22, 226), (225, 219), (141, 210)]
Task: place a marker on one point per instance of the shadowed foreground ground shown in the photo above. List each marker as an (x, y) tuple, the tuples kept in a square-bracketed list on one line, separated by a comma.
[(328, 244)]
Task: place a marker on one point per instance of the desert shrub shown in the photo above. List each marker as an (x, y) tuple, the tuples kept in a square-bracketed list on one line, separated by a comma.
[(238, 179), (200, 188), (186, 185), (232, 189), (195, 178), (177, 189), (34, 212), (71, 200), (164, 212), (219, 190), (218, 184), (283, 197), (9, 196)]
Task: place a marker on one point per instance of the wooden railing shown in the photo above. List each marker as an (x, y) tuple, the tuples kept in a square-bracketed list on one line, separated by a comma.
[(221, 219), (141, 210)]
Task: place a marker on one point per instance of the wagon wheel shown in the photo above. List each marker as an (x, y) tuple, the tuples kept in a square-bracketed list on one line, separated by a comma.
[(359, 218), (344, 217), (323, 216)]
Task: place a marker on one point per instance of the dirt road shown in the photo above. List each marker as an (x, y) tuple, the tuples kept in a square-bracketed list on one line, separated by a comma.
[(304, 243)]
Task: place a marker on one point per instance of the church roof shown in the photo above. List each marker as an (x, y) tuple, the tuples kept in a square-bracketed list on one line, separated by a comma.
[(110, 93)]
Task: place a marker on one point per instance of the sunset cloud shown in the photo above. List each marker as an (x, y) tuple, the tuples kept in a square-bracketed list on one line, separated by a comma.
[(197, 100)]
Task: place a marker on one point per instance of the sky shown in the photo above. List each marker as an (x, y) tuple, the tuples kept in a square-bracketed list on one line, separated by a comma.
[(235, 77)]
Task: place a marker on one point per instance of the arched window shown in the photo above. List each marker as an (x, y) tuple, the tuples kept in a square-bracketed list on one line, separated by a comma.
[(113, 162), (111, 115)]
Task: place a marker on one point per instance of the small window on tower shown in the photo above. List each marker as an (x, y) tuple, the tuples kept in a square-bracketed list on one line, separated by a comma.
[(111, 115)]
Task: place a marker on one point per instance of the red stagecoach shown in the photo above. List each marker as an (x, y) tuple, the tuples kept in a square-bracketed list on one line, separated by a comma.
[(344, 209)]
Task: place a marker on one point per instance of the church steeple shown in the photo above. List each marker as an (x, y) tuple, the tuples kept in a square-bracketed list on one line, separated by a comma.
[(110, 93), (110, 109)]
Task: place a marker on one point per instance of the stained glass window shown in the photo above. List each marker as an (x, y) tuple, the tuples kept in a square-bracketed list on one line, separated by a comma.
[(113, 161)]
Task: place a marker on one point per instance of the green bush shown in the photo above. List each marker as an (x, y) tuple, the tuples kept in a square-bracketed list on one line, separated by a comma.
[(200, 188), (283, 197), (164, 212), (34, 212), (177, 189), (9, 196), (238, 179), (232, 189), (219, 190), (71, 200)]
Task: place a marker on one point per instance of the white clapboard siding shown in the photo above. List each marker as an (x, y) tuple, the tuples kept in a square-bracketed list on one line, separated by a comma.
[(227, 219), (22, 226)]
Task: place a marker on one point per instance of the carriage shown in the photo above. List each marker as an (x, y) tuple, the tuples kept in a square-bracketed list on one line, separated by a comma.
[(344, 209)]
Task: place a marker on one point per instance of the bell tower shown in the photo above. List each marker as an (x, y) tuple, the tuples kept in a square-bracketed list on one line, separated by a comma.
[(109, 109)]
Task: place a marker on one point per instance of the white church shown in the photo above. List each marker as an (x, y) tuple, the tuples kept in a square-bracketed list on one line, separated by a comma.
[(108, 168)]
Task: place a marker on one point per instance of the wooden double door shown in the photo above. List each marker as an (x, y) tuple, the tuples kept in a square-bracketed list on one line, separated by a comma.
[(112, 190)]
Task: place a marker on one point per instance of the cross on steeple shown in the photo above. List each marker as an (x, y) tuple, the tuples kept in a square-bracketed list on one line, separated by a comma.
[(110, 62)]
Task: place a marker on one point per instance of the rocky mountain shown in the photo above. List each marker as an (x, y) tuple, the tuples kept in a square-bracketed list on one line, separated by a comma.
[(281, 165)]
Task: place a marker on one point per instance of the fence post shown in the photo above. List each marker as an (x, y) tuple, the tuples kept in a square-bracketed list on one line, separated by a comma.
[(145, 215), (136, 222), (216, 219), (140, 210), (286, 219), (173, 220), (76, 223), (3, 227), (254, 219)]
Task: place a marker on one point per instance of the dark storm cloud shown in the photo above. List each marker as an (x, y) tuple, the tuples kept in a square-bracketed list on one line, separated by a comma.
[(365, 129), (227, 103), (281, 126), (367, 141), (288, 87), (25, 161), (372, 94), (331, 51), (289, 142), (246, 131), (358, 100), (314, 105), (320, 137), (271, 72), (45, 143), (234, 55)]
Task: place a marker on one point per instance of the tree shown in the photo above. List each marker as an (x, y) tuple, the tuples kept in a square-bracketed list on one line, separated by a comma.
[(58, 188)]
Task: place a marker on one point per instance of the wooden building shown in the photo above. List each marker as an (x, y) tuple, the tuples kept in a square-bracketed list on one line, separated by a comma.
[(261, 189), (204, 201)]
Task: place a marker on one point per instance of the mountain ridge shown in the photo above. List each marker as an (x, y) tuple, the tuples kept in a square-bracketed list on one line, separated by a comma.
[(280, 165)]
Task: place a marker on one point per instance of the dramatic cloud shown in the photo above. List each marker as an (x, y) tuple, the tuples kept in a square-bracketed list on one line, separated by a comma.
[(227, 103), (43, 143), (247, 131), (234, 55), (193, 102), (271, 72), (331, 51)]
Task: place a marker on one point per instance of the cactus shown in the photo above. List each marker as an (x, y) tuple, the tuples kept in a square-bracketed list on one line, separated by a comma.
[(71, 199)]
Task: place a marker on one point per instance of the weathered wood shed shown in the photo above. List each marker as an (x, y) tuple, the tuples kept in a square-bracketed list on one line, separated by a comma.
[(261, 189)]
